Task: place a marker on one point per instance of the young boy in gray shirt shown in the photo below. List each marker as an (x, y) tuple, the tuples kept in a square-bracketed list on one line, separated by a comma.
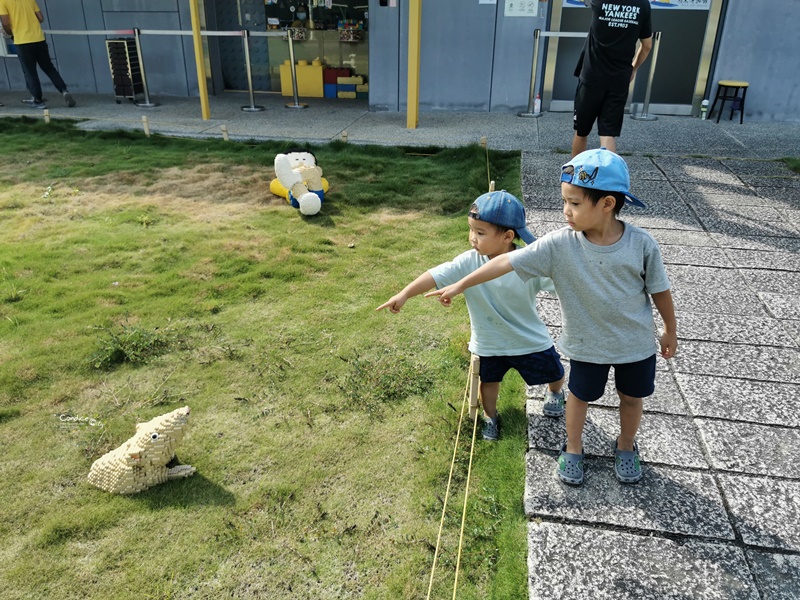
[(507, 333), (605, 272)]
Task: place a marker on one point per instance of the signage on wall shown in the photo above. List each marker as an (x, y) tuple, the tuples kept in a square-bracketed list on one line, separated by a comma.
[(526, 8), (655, 4)]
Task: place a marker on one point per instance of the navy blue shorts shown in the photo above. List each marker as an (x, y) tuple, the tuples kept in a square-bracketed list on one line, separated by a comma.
[(535, 368), (587, 381), (592, 104)]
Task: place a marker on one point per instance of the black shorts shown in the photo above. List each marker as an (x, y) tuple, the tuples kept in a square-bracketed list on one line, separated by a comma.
[(595, 104), (535, 368), (587, 381)]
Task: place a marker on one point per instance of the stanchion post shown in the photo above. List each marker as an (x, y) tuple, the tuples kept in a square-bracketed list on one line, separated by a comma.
[(145, 125), (296, 104), (248, 66), (146, 103), (534, 77), (646, 106)]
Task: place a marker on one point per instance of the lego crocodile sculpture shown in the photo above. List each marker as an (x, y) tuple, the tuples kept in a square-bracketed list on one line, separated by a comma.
[(141, 462)]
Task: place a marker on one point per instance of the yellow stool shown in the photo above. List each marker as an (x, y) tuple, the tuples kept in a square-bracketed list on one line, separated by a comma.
[(724, 88)]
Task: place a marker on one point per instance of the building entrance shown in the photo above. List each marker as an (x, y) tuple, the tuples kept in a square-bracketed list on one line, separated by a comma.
[(688, 31)]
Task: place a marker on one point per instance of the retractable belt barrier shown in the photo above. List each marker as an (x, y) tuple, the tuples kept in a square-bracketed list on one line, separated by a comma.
[(534, 91), (244, 34)]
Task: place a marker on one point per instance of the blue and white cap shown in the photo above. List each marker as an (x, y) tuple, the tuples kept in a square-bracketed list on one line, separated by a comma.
[(600, 169), (503, 209)]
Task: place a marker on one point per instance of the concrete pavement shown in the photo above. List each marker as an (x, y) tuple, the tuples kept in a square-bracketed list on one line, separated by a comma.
[(716, 513)]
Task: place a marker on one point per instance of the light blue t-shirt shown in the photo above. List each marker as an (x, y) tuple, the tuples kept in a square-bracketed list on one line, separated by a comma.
[(502, 312), (604, 291)]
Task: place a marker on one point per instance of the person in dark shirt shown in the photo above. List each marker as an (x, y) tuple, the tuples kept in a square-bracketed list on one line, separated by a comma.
[(608, 63)]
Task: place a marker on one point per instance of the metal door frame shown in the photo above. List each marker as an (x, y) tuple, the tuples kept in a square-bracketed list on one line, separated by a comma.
[(701, 82)]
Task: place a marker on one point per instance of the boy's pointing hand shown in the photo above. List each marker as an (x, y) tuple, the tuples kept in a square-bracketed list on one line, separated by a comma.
[(445, 294)]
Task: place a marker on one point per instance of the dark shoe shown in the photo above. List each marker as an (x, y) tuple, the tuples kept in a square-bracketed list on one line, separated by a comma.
[(69, 99), (32, 100), (627, 464), (38, 105), (570, 467)]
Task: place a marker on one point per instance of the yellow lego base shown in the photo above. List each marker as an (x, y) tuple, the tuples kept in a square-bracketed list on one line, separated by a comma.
[(309, 80)]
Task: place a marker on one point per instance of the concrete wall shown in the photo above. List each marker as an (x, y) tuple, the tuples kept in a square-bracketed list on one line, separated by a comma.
[(473, 57), (760, 44), (83, 60)]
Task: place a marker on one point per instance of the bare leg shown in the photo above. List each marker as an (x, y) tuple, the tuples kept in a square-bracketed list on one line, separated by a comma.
[(576, 419), (556, 386), (489, 393), (630, 415), (579, 144), (609, 142)]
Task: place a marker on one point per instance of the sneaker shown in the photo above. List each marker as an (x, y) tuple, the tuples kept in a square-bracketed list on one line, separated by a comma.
[(32, 100), (570, 467), (627, 464), (69, 99), (491, 429), (37, 105), (553, 403)]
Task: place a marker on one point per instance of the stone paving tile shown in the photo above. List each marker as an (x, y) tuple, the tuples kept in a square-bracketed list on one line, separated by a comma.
[(684, 221), (765, 512), (766, 402), (781, 306), (544, 197), (775, 261), (763, 363), (684, 238), (793, 329), (751, 448), (719, 189), (788, 198), (738, 199), (643, 167), (540, 228), (765, 168), (623, 566), (704, 170), (659, 436), (697, 256), (549, 310), (545, 214), (690, 278), (736, 225), (760, 213), (733, 329), (793, 215), (777, 575), (775, 282), (717, 301), (742, 242), (665, 500), (771, 181)]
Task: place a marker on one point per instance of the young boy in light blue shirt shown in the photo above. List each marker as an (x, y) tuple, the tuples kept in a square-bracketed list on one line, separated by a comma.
[(506, 331), (605, 272)]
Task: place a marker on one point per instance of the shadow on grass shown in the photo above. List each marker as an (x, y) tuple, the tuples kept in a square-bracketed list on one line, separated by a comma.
[(196, 490)]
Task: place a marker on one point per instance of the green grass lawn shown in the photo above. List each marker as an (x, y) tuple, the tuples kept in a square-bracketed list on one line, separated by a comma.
[(138, 275)]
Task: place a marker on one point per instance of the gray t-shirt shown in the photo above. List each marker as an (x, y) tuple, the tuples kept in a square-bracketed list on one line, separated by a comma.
[(604, 291)]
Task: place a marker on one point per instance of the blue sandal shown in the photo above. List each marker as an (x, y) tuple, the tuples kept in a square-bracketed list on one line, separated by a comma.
[(570, 467), (627, 464)]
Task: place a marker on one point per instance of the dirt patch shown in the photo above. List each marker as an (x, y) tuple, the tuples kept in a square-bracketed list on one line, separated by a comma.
[(212, 190)]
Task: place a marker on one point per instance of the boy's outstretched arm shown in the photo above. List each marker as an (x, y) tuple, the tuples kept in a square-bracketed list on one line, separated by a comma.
[(499, 265), (421, 284), (669, 338)]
